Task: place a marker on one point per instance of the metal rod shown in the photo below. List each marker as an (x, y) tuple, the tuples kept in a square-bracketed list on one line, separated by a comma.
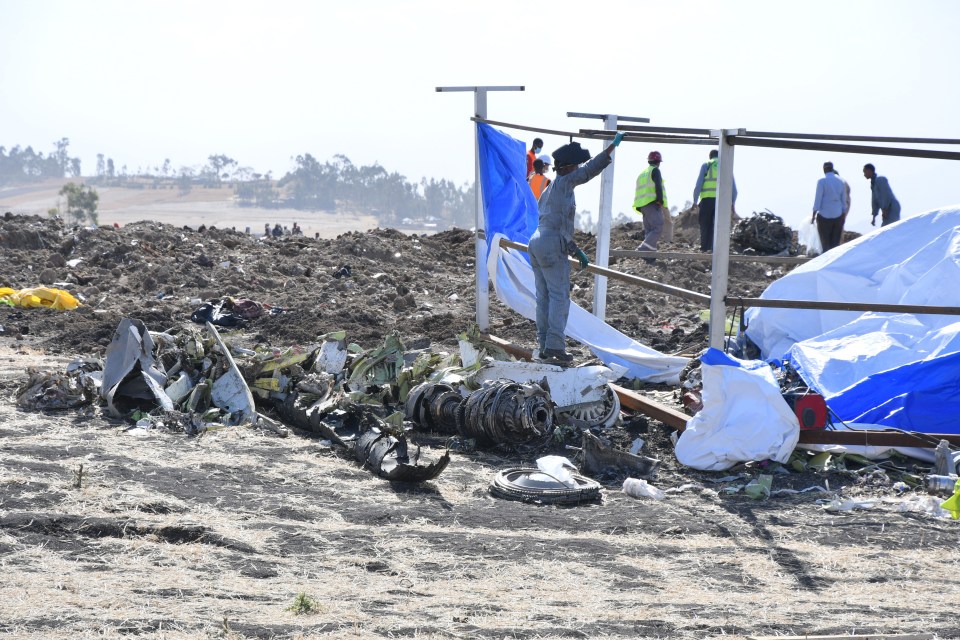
[(876, 438), (844, 148), (603, 232), (601, 116), (663, 138), (843, 306), (721, 239), (482, 278), (626, 277), (701, 132), (707, 257), (484, 88), (827, 136)]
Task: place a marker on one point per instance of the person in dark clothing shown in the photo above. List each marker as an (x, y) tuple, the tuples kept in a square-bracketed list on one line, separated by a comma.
[(553, 241), (882, 198), (277, 231)]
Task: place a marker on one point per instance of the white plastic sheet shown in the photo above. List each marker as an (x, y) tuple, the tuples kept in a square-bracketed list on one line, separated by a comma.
[(514, 282), (744, 416), (896, 370)]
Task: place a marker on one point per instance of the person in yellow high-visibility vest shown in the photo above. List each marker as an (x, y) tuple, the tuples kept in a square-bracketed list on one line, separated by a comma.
[(705, 193), (650, 201)]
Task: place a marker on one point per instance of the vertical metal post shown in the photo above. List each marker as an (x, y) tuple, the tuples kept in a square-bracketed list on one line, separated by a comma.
[(603, 229), (482, 279), (721, 238), (605, 217)]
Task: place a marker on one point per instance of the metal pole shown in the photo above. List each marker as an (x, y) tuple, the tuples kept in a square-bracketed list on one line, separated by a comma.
[(603, 231), (605, 217), (482, 279), (721, 238)]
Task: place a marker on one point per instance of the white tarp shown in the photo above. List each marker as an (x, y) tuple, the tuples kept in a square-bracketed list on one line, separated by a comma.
[(893, 370), (515, 286), (744, 416)]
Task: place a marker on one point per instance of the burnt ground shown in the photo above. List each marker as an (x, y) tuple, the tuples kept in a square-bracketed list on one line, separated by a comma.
[(162, 535)]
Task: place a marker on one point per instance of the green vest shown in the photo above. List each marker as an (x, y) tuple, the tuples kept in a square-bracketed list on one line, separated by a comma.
[(709, 189), (646, 190)]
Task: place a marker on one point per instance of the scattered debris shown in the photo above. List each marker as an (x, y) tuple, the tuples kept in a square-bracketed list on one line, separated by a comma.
[(762, 234), (532, 485), (598, 456), (50, 298), (638, 488)]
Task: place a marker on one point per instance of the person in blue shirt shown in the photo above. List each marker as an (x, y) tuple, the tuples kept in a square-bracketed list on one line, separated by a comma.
[(882, 197), (829, 208), (553, 241)]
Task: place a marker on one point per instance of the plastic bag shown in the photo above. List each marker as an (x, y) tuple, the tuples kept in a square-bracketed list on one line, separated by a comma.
[(809, 236), (667, 234)]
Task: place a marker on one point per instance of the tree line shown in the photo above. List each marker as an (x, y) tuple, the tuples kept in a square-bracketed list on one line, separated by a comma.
[(336, 184), (21, 165)]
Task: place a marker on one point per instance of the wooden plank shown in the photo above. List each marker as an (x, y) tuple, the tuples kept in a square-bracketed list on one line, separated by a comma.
[(667, 415)]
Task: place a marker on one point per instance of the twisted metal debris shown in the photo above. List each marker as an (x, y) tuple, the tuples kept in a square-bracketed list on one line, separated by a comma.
[(506, 412)]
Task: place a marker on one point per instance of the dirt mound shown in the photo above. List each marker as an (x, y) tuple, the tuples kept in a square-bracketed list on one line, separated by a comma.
[(368, 284)]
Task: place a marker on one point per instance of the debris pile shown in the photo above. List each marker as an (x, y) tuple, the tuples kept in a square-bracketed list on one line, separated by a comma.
[(763, 234)]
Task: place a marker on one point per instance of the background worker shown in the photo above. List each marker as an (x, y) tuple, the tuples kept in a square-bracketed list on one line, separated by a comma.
[(882, 198), (532, 155), (553, 241), (829, 207), (846, 190), (706, 191), (650, 201), (539, 180)]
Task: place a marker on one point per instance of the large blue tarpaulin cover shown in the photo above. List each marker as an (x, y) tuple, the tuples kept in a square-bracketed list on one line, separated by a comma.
[(508, 201), (888, 369)]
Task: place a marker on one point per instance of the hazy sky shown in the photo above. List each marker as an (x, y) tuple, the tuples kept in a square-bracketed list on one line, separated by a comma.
[(265, 81)]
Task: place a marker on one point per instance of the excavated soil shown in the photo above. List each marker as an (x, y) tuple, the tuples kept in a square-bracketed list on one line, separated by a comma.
[(108, 534)]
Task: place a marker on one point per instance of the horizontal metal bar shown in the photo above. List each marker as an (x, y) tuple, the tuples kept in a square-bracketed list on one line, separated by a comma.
[(707, 257), (700, 132), (603, 116), (827, 136), (650, 139), (521, 127), (626, 277), (842, 306), (490, 88), (843, 148), (876, 438)]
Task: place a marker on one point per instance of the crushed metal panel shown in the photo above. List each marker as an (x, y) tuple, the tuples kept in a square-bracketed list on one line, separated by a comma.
[(598, 456), (388, 457), (132, 348), (230, 392)]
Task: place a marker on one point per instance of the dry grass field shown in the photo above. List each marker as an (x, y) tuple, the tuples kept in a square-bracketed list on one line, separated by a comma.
[(214, 537), (211, 207)]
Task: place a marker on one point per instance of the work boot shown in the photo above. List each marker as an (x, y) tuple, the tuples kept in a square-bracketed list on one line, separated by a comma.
[(556, 356)]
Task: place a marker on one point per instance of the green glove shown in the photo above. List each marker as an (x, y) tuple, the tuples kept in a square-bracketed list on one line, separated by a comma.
[(582, 257), (617, 138)]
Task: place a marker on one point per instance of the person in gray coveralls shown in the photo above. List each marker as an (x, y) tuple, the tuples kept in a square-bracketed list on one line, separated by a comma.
[(553, 241)]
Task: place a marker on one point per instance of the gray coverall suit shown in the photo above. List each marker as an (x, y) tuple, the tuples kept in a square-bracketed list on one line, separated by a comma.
[(549, 247)]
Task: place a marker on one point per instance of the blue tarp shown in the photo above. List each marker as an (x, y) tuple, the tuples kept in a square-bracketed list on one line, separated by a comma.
[(508, 201), (886, 369)]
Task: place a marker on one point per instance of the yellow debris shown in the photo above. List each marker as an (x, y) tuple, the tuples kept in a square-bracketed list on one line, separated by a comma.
[(40, 297)]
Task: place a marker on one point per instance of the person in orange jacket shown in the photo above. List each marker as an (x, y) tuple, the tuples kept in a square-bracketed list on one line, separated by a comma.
[(539, 181)]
